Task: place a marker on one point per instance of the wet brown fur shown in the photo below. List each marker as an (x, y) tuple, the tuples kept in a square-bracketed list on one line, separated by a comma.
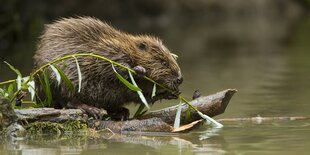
[(100, 87)]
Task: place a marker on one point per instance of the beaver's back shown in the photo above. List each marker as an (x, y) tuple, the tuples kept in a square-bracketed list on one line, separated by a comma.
[(73, 35), (83, 35)]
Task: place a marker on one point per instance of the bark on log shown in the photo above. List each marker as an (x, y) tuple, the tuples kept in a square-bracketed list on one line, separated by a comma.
[(155, 121), (211, 105)]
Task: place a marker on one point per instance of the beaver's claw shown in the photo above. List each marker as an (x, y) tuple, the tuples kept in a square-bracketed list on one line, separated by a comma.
[(89, 110)]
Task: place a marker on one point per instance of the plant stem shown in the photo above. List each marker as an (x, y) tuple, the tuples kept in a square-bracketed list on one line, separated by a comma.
[(103, 58), (7, 82)]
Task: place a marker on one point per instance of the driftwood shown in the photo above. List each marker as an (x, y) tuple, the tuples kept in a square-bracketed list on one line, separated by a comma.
[(155, 121)]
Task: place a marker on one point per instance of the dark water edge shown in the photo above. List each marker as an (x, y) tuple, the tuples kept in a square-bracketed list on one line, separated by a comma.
[(264, 54)]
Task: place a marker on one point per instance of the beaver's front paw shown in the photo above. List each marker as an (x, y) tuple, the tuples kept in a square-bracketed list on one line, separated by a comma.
[(88, 109), (120, 114), (139, 70)]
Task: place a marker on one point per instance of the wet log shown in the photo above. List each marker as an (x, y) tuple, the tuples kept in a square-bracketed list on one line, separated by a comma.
[(154, 121), (162, 120), (211, 105)]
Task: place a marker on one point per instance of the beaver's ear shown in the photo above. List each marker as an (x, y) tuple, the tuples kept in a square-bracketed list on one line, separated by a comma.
[(142, 46)]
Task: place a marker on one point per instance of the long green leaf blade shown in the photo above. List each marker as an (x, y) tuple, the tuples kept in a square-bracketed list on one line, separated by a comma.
[(154, 91), (19, 75), (47, 89), (67, 81), (210, 120), (79, 74), (177, 119), (207, 118), (139, 110), (188, 114), (139, 92), (31, 89), (57, 74), (125, 82), (10, 88), (19, 82), (14, 69), (2, 92)]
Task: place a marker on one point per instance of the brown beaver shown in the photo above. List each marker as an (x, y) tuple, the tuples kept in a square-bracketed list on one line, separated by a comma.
[(100, 86)]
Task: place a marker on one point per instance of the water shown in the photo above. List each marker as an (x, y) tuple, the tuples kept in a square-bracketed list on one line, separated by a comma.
[(272, 77)]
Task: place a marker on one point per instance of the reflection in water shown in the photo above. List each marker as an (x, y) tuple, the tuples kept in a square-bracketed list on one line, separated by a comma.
[(76, 145), (234, 138)]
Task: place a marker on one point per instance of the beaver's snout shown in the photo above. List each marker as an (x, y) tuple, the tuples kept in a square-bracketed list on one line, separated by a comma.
[(179, 80)]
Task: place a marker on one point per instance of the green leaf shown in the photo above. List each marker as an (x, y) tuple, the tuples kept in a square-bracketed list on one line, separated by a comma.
[(14, 69), (139, 110), (177, 119), (2, 92), (210, 120), (19, 75), (67, 81), (47, 89), (79, 73), (10, 88), (139, 92), (19, 82), (188, 115), (143, 112), (57, 74), (31, 89), (154, 91), (125, 82)]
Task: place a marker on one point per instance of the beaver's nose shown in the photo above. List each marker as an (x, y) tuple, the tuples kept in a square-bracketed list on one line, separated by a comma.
[(179, 80)]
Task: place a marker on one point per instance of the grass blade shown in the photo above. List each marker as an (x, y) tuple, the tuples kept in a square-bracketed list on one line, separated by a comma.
[(125, 82), (2, 92), (65, 78), (31, 89), (207, 118), (14, 69), (139, 92), (177, 119), (154, 91), (139, 111), (57, 74), (79, 73), (10, 88), (210, 120), (19, 82), (188, 114), (19, 75), (47, 89)]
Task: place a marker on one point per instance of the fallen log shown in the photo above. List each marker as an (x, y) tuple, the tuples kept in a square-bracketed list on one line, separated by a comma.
[(211, 105), (154, 121)]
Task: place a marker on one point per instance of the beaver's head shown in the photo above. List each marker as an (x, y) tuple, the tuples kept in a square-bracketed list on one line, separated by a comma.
[(160, 64)]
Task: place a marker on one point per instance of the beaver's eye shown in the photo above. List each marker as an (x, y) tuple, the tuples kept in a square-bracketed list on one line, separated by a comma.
[(142, 46), (163, 62)]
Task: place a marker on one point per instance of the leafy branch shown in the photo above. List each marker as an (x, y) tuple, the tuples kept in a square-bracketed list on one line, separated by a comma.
[(133, 86)]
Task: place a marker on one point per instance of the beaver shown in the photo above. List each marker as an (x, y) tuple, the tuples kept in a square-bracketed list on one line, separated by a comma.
[(100, 86)]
